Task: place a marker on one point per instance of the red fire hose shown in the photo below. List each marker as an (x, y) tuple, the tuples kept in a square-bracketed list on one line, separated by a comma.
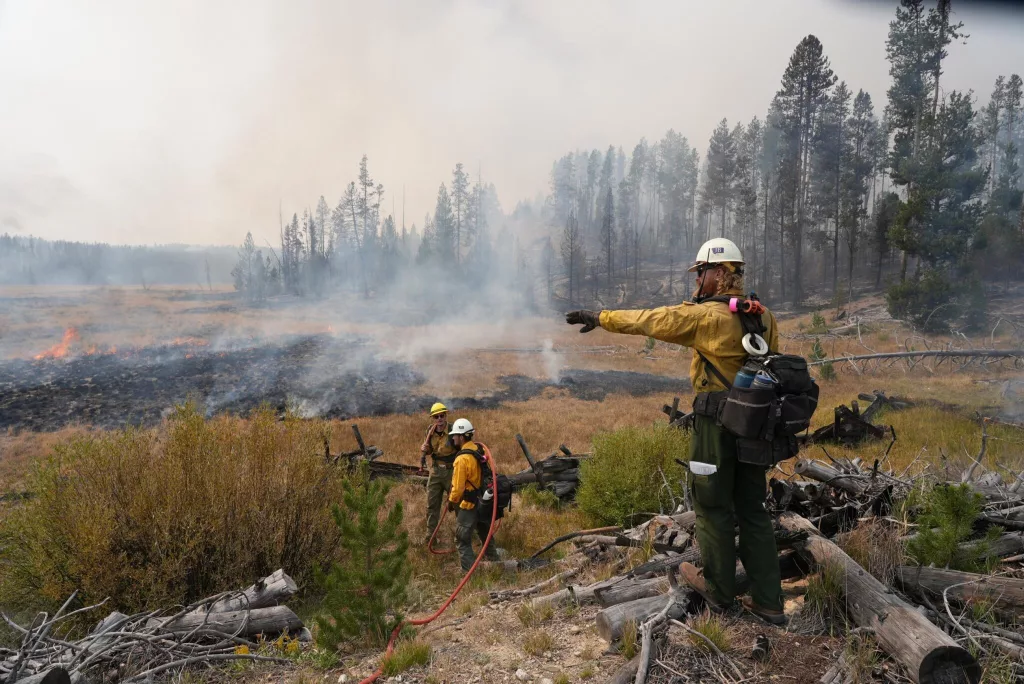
[(469, 573), (430, 543)]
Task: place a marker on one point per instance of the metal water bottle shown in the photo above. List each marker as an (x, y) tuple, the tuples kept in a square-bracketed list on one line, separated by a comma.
[(762, 381), (743, 378)]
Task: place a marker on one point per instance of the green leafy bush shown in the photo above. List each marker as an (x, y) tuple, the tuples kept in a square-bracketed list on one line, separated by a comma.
[(171, 515), (365, 589), (622, 477), (946, 521)]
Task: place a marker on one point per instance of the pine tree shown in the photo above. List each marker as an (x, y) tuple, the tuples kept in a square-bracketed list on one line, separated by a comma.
[(460, 207), (829, 159), (574, 257), (862, 136), (721, 171), (364, 591), (608, 236), (805, 84), (444, 228)]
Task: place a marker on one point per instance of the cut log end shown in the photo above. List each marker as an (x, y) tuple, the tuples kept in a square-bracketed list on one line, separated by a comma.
[(949, 665)]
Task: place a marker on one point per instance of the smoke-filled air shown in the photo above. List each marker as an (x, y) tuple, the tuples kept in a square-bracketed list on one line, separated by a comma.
[(473, 341)]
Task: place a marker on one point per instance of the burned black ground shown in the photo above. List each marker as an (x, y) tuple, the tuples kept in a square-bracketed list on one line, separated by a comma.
[(320, 375)]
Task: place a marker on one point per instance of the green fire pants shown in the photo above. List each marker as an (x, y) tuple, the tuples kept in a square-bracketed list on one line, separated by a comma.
[(735, 493), (438, 485), (478, 520)]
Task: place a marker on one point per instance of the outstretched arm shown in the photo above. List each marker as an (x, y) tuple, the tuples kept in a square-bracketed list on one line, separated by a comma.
[(675, 324)]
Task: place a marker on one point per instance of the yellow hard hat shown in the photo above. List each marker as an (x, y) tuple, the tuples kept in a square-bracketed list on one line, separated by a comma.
[(438, 408)]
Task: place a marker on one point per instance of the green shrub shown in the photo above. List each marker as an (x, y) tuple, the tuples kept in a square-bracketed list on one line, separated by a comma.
[(818, 324), (159, 517), (364, 590), (622, 477), (946, 521)]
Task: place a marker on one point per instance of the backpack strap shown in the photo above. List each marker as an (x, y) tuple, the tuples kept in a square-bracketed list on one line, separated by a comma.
[(718, 374)]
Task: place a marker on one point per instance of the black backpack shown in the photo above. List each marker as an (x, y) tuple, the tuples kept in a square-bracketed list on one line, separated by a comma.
[(504, 484), (767, 421)]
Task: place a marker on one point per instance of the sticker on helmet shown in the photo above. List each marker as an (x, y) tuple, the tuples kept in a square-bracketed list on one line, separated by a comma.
[(718, 250)]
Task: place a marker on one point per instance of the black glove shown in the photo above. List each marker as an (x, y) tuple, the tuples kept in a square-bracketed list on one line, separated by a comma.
[(451, 506), (423, 462), (589, 319)]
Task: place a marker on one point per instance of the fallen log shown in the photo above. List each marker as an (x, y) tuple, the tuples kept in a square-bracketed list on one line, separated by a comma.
[(613, 620), (929, 654), (816, 470), (941, 353), (528, 477), (1009, 544), (627, 673), (271, 590), (581, 595), (273, 620), (55, 675), (633, 589), (1005, 593)]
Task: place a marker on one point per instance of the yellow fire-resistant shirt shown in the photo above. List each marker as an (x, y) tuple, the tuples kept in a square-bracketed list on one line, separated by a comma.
[(441, 448), (708, 327), (465, 477)]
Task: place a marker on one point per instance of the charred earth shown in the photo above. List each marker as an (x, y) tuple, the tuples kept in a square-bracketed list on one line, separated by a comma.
[(316, 375)]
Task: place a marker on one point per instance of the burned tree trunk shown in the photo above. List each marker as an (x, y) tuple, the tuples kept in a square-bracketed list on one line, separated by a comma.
[(816, 470), (965, 587), (929, 655)]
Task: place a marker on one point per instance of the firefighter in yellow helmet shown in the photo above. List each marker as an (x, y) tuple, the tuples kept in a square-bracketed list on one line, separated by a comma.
[(438, 445), (467, 496), (735, 493)]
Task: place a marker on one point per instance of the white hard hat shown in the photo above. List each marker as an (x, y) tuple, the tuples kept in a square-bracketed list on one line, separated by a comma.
[(716, 251), (461, 427)]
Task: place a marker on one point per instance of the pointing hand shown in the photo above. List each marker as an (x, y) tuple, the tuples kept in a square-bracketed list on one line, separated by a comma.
[(589, 319)]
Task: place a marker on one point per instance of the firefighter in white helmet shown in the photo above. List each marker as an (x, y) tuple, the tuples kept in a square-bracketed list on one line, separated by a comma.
[(467, 495), (736, 491)]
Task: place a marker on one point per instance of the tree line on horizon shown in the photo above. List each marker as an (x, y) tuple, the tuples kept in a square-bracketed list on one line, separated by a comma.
[(825, 191)]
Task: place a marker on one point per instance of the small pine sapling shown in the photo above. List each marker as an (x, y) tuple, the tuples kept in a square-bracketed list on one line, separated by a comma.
[(946, 521), (364, 590)]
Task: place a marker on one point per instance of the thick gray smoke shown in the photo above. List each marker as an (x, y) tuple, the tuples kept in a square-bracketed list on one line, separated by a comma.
[(193, 121)]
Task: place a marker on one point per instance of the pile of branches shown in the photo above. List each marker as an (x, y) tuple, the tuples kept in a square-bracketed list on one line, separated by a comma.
[(559, 473), (136, 648), (916, 614)]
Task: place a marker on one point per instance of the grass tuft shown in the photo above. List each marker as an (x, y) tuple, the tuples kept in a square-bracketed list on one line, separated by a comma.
[(629, 644), (876, 547), (714, 628), (537, 642), (407, 654), (825, 592)]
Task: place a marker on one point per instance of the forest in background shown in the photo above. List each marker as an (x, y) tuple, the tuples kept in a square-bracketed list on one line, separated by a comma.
[(827, 193)]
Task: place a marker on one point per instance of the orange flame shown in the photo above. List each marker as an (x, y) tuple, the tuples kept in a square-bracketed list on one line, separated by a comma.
[(60, 350)]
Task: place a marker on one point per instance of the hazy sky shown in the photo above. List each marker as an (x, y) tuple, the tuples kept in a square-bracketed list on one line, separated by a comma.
[(190, 120)]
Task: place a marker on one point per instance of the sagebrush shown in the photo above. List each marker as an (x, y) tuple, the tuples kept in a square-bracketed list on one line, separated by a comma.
[(167, 516), (628, 472)]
